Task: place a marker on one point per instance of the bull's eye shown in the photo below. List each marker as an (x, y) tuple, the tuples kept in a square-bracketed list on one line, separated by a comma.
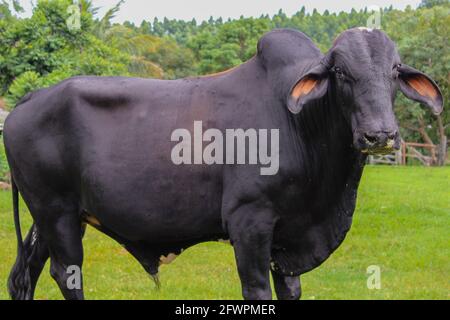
[(395, 72)]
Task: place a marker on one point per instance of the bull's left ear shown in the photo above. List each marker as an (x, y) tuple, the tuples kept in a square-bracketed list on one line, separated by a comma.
[(419, 87), (310, 87)]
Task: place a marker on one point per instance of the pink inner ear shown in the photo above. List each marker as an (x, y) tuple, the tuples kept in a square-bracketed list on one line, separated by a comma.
[(304, 87), (422, 86)]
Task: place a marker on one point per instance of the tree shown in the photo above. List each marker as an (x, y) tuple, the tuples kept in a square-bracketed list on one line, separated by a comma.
[(432, 3), (151, 56), (10, 5), (45, 46), (422, 39), (104, 23)]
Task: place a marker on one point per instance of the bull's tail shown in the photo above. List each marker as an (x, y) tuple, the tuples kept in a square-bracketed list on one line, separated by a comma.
[(19, 283)]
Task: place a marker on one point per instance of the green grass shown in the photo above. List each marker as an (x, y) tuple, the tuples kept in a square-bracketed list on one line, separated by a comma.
[(401, 225)]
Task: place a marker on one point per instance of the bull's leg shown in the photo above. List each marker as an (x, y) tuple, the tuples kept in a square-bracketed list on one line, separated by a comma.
[(25, 273), (287, 288), (251, 235), (66, 255)]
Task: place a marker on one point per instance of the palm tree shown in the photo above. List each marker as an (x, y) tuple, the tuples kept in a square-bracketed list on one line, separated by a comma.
[(103, 24), (14, 4)]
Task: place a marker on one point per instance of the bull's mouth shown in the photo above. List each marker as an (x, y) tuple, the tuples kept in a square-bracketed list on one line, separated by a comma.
[(386, 149), (378, 151)]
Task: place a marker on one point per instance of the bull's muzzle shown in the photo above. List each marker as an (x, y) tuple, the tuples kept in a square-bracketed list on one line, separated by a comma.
[(380, 143)]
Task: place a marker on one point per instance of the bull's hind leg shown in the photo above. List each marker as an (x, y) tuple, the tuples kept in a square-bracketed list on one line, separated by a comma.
[(66, 254)]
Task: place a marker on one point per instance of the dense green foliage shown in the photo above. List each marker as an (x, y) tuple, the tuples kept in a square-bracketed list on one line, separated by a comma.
[(400, 225), (42, 50)]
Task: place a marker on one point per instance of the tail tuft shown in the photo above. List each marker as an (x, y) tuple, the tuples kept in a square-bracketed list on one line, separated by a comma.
[(156, 280), (19, 281)]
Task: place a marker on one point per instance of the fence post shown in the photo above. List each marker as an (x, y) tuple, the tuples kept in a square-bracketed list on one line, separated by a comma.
[(404, 153)]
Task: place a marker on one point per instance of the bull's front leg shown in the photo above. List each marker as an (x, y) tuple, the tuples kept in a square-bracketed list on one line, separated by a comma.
[(250, 230), (287, 288)]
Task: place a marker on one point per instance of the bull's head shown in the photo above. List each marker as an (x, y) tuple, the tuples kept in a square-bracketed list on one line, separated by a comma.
[(364, 71)]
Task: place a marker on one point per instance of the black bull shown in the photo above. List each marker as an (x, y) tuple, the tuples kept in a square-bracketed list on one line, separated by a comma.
[(97, 151)]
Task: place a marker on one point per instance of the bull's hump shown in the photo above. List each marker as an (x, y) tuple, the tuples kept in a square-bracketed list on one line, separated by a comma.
[(287, 46)]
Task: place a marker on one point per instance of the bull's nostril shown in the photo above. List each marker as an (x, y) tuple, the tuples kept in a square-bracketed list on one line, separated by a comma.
[(371, 138), (392, 135), (379, 142)]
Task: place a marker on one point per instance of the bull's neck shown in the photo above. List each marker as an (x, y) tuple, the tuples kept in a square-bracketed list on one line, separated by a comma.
[(326, 141)]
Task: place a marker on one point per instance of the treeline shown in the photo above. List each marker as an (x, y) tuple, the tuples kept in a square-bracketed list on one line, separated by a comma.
[(41, 50), (218, 45)]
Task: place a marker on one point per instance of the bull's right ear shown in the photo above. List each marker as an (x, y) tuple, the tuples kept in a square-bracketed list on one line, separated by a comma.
[(312, 86)]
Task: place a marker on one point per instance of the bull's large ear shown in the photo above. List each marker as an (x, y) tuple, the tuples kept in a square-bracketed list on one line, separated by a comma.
[(419, 87), (310, 87)]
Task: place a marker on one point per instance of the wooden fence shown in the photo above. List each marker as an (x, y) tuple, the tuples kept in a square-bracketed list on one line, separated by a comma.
[(408, 151)]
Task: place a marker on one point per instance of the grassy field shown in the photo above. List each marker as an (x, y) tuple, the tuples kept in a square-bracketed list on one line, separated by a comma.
[(401, 225)]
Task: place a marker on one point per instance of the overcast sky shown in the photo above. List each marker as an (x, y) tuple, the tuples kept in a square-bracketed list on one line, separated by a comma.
[(138, 10)]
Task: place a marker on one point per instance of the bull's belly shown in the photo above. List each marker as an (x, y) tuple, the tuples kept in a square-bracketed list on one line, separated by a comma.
[(157, 228), (157, 215), (139, 194)]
